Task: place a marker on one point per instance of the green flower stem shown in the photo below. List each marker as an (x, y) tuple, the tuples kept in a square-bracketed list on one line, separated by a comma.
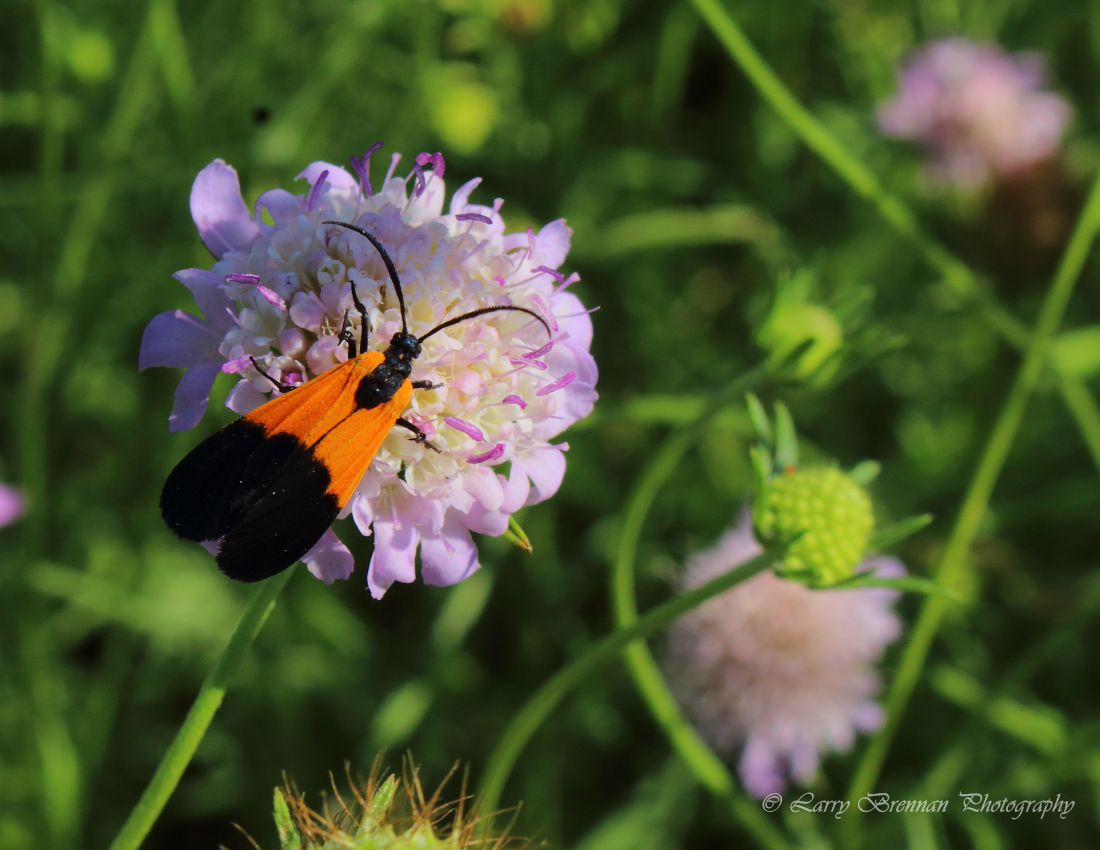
[(198, 719), (979, 492), (543, 701), (707, 767)]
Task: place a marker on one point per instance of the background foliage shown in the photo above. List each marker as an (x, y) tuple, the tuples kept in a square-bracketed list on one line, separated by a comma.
[(693, 205)]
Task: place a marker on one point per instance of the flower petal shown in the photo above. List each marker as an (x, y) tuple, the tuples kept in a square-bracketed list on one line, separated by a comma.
[(281, 204), (552, 244), (394, 557), (339, 180), (219, 211), (12, 504), (450, 556), (244, 398), (206, 287), (329, 559), (760, 769), (192, 396), (546, 469), (177, 339)]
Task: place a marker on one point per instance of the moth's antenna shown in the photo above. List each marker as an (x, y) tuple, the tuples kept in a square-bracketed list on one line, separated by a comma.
[(389, 267), (481, 311)]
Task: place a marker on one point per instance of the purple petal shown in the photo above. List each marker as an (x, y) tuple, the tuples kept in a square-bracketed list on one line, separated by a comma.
[(192, 396), (484, 521), (329, 559), (760, 769), (206, 288), (484, 486), (546, 469), (244, 398), (339, 181), (462, 196), (219, 211), (450, 556), (573, 318), (12, 505), (394, 557), (177, 339), (283, 206), (516, 489), (552, 244)]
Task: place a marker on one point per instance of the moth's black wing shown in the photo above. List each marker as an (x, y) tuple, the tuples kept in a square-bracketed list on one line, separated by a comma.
[(204, 494), (240, 481), (282, 523)]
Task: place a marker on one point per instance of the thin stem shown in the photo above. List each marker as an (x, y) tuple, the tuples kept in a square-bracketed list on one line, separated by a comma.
[(543, 701), (1084, 409), (980, 490), (707, 767), (198, 719)]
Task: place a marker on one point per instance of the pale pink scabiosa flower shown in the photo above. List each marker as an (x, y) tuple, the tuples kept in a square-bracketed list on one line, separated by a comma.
[(12, 504), (279, 292), (978, 111), (777, 669)]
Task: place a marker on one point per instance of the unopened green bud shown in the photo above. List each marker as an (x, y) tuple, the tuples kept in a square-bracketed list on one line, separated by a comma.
[(816, 522)]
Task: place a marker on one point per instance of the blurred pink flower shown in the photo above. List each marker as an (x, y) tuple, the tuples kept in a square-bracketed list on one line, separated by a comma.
[(278, 292), (977, 110), (777, 669), (12, 504)]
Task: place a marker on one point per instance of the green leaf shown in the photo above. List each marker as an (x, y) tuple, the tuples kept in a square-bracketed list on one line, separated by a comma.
[(906, 584), (762, 468), (517, 535), (1078, 351), (759, 419), (288, 832), (380, 805), (786, 441), (888, 535), (865, 472)]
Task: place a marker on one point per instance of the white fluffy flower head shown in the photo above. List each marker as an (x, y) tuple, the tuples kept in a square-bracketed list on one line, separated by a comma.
[(777, 669)]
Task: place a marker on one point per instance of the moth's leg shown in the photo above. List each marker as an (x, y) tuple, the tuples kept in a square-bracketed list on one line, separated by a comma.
[(283, 388), (420, 436)]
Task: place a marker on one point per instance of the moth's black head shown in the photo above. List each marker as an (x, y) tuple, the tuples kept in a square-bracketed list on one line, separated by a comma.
[(405, 346)]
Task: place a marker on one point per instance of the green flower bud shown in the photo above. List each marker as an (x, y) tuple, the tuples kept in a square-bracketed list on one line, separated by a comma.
[(816, 522), (792, 324)]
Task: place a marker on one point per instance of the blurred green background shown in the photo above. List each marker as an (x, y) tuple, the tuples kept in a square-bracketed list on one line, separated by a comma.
[(696, 212)]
